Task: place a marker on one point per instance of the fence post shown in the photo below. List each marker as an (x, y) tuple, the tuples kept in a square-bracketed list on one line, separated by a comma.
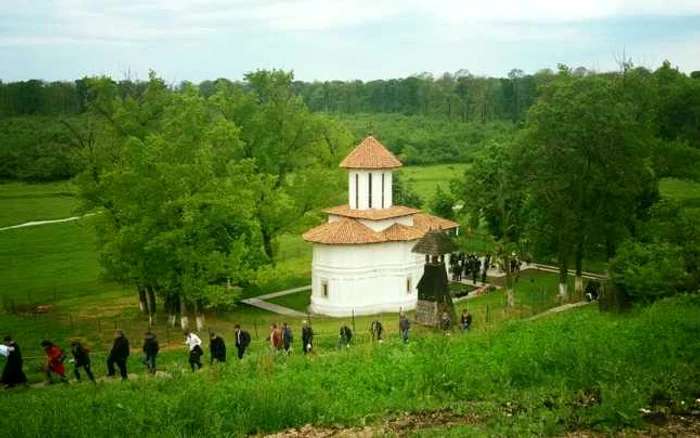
[(353, 321)]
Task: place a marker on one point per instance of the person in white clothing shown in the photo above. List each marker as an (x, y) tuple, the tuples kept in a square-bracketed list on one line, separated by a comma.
[(195, 344)]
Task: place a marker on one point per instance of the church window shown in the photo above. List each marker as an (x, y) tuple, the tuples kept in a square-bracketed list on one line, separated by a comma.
[(324, 288), (409, 285), (357, 190), (382, 190), (370, 190)]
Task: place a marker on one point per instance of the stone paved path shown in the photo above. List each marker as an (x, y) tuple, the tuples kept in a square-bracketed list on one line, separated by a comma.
[(47, 222)]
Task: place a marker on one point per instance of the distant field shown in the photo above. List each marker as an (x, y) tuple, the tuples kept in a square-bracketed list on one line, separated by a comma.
[(425, 179), (686, 192), (21, 203)]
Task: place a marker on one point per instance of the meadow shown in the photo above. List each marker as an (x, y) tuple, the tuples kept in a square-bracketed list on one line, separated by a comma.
[(58, 265), (580, 371)]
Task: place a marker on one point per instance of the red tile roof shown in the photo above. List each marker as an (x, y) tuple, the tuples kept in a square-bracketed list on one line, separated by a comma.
[(427, 222), (370, 154), (349, 231), (400, 233), (343, 232), (372, 214)]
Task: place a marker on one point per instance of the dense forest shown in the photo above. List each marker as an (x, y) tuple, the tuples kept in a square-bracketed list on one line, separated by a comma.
[(423, 119)]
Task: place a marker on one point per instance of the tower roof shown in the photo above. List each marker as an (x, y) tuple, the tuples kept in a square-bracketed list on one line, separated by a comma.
[(434, 242), (370, 154)]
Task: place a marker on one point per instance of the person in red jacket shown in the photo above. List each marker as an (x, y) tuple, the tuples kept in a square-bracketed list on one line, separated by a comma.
[(275, 338), (54, 362)]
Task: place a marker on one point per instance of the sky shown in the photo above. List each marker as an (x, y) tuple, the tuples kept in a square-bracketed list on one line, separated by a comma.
[(197, 40)]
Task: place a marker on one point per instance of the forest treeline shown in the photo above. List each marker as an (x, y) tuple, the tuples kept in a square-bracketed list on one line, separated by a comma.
[(422, 118)]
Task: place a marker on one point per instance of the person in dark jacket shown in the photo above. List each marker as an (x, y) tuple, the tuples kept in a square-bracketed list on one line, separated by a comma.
[(345, 336), (81, 359), (242, 341), (217, 348), (150, 351), (287, 338), (404, 326), (377, 330), (12, 374), (118, 355), (466, 320), (307, 337)]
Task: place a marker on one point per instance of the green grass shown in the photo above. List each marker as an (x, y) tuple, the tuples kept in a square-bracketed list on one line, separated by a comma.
[(684, 191), (298, 301), (425, 179), (519, 379), (20, 203)]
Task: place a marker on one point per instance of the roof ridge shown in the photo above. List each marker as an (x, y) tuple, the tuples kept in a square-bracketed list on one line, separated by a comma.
[(370, 154)]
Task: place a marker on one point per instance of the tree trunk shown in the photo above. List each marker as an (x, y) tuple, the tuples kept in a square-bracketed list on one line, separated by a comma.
[(143, 304), (152, 306), (199, 317), (184, 319), (563, 280), (578, 279), (267, 246), (172, 313)]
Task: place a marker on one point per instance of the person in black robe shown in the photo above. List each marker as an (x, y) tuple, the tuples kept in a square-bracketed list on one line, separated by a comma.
[(487, 261), (118, 355), (477, 268), (217, 348), (13, 374), (150, 351), (242, 341), (307, 337), (81, 359)]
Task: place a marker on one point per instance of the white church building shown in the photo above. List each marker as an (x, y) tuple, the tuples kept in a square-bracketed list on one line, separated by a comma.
[(362, 259)]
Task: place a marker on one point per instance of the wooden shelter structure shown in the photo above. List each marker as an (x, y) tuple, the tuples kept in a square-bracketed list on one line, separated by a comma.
[(433, 288)]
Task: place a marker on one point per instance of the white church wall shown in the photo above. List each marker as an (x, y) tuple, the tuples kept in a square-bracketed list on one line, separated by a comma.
[(367, 278)]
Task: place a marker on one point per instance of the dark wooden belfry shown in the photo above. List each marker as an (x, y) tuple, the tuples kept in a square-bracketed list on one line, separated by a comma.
[(433, 288)]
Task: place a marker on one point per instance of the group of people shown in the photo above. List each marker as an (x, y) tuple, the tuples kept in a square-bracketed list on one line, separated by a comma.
[(469, 266), (280, 339), (55, 358)]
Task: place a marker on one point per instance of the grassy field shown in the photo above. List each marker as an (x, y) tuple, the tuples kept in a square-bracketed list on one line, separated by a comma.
[(425, 179), (579, 371), (686, 192), (58, 265), (21, 203)]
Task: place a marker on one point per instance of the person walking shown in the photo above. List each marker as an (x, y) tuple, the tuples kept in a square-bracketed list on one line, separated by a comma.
[(118, 355), (217, 348), (404, 327), (195, 345), (345, 336), (377, 330), (150, 351), (466, 320), (287, 338), (242, 340), (81, 359), (54, 362), (12, 374), (446, 323), (307, 337), (275, 338)]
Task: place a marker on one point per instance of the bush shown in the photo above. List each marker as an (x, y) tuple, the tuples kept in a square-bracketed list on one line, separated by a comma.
[(649, 271)]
